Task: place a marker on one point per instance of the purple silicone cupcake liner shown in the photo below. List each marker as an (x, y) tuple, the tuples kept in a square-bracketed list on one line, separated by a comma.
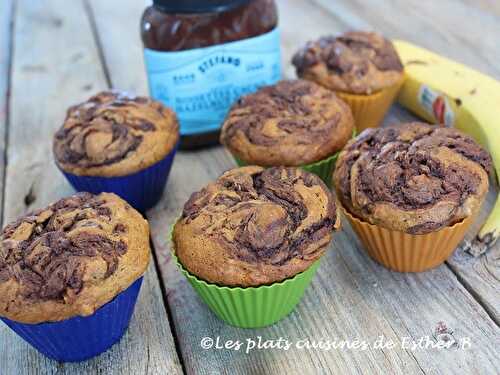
[(142, 190), (80, 338)]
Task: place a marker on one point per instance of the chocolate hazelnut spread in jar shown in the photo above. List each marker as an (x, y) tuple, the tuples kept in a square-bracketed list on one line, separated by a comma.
[(201, 56)]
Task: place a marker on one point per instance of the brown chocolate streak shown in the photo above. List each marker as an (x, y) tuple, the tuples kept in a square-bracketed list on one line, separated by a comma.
[(275, 242), (106, 114), (48, 262), (404, 172), (284, 100)]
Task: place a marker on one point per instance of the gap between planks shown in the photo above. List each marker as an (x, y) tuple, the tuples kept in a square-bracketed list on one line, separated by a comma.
[(163, 290), (6, 72), (95, 34), (474, 295)]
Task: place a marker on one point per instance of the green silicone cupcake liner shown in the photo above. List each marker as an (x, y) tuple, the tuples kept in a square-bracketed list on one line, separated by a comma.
[(323, 168), (252, 307)]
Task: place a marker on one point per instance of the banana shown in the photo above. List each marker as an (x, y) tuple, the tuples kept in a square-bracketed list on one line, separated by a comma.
[(446, 92)]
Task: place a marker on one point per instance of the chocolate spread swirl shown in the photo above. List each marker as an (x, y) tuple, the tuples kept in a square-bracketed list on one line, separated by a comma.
[(263, 215), (46, 251), (287, 118), (102, 130), (350, 52), (355, 62), (412, 166)]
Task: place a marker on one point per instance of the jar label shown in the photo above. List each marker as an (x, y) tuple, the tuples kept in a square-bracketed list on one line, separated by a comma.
[(201, 84)]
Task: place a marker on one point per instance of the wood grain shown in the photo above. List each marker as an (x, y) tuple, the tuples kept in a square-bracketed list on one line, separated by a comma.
[(56, 64), (110, 18), (457, 29), (351, 296), (6, 13), (480, 275)]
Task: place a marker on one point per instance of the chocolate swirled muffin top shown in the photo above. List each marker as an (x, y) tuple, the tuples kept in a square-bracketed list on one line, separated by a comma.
[(291, 123), (115, 134), (255, 226), (70, 258), (415, 178), (355, 62)]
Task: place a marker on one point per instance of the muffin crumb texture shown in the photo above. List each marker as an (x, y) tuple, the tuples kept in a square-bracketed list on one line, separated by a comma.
[(254, 227), (292, 123), (70, 258), (115, 134), (414, 177), (355, 62)]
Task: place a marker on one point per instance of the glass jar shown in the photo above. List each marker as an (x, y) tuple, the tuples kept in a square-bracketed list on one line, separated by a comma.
[(201, 56)]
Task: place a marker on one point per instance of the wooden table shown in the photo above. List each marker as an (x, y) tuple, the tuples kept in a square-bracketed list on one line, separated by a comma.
[(55, 53)]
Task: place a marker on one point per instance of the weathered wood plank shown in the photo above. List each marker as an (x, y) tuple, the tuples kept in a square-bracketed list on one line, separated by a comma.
[(481, 274), (56, 64), (435, 25), (351, 296), (119, 23), (460, 30), (6, 15)]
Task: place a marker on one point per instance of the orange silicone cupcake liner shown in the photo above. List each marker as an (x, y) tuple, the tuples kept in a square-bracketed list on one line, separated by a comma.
[(369, 110), (403, 252)]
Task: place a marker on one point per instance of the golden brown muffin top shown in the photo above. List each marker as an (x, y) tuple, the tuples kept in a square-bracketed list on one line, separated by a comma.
[(356, 62), (291, 123), (70, 258), (115, 134), (255, 226), (415, 178)]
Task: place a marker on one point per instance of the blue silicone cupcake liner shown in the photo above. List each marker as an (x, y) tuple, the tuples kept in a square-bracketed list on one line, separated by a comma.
[(142, 190), (80, 338)]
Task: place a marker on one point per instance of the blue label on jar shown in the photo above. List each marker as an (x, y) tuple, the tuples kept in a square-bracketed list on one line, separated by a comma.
[(201, 84)]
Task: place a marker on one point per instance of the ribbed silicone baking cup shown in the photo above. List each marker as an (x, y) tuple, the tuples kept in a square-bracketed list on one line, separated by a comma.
[(405, 252), (369, 110), (253, 307), (323, 168), (142, 190), (80, 338)]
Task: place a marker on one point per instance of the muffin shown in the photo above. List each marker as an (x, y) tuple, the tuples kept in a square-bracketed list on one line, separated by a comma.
[(250, 242), (292, 123), (120, 143), (70, 274), (411, 191), (363, 68)]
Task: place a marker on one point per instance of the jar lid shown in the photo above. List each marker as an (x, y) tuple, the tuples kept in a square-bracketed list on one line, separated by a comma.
[(198, 6)]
